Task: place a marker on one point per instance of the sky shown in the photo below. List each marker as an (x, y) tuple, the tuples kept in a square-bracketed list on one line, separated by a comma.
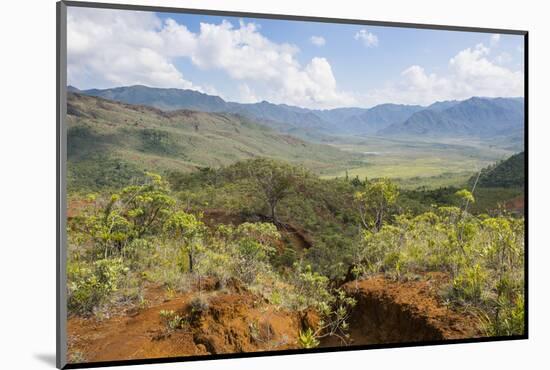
[(307, 64)]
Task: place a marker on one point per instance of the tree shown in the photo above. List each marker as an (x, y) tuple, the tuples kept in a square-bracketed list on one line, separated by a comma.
[(116, 220), (274, 181), (375, 201), (147, 205), (184, 228)]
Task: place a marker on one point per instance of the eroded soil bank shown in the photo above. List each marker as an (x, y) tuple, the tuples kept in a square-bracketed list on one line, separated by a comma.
[(399, 312), (238, 321), (234, 321)]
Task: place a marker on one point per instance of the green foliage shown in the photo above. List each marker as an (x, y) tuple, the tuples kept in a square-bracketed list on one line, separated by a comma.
[(505, 174), (100, 171), (184, 228), (307, 339), (172, 320), (482, 255), (374, 202), (319, 232), (465, 195), (113, 222), (92, 285), (469, 284), (487, 200), (271, 180)]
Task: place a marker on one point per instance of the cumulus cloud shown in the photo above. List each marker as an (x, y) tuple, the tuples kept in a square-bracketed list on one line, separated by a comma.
[(495, 38), (368, 39), (111, 48), (470, 73), (317, 40)]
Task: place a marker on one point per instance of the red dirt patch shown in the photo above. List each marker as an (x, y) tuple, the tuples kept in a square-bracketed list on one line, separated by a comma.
[(396, 312), (516, 205), (76, 206), (232, 323)]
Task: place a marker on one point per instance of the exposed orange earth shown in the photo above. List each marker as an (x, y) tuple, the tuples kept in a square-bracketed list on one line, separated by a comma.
[(238, 321)]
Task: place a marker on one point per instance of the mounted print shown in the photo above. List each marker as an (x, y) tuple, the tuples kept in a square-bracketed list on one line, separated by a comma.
[(236, 184)]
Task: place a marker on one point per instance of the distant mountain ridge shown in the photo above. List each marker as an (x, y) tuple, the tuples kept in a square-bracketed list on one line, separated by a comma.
[(481, 117), (476, 116)]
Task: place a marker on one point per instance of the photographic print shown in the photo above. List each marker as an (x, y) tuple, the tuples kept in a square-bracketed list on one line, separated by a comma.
[(241, 185)]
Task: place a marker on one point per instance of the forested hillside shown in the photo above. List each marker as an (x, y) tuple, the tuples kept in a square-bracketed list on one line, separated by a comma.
[(506, 174), (110, 143)]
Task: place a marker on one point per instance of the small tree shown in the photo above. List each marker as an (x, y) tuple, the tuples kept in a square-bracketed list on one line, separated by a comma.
[(114, 221), (147, 205), (184, 228), (274, 181), (374, 202)]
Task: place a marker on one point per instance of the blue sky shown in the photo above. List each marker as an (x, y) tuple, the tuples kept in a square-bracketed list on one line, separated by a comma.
[(309, 64)]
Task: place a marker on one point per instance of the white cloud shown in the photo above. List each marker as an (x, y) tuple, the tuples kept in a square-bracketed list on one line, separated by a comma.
[(111, 48), (470, 73), (495, 38), (246, 94), (503, 58), (317, 40), (368, 39)]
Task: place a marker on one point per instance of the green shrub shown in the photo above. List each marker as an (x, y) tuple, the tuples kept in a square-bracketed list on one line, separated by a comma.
[(172, 320), (469, 284), (90, 286), (307, 339)]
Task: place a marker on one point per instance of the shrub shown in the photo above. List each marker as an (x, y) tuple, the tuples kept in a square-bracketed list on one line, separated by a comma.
[(172, 320), (90, 286), (199, 305), (469, 284), (307, 339)]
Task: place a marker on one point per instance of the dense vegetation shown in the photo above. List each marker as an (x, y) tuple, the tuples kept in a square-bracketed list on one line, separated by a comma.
[(505, 174), (164, 230), (238, 203)]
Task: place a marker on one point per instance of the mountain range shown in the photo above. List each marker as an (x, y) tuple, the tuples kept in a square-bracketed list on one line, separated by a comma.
[(475, 117)]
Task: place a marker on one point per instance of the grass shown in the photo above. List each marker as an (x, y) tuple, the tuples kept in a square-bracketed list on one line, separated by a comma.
[(415, 163), (446, 179)]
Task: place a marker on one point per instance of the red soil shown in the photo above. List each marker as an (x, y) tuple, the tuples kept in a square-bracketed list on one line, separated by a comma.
[(516, 205), (76, 206), (238, 321), (234, 322), (396, 312)]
